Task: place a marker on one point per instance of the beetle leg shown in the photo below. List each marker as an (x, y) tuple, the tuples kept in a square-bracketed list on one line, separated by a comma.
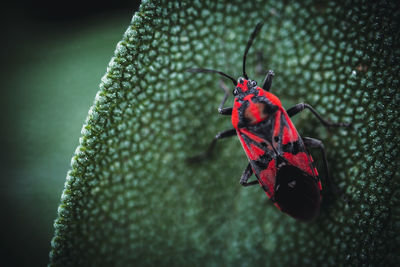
[(268, 80), (225, 111), (246, 175), (315, 143), (221, 109), (301, 106), (208, 152)]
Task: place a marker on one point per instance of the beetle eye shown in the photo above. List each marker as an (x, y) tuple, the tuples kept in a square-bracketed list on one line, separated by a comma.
[(254, 83), (240, 80)]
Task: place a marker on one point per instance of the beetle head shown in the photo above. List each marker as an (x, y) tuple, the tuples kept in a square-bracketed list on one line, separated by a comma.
[(244, 85)]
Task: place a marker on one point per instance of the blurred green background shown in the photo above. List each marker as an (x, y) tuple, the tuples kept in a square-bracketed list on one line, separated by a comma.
[(53, 57)]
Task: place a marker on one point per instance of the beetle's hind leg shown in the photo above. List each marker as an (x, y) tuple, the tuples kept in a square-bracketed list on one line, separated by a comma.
[(209, 151), (246, 176), (315, 143)]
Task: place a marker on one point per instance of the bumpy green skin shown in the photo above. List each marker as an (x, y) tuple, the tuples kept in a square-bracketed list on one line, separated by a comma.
[(130, 197)]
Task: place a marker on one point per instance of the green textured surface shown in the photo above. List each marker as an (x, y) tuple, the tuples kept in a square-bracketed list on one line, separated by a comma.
[(131, 198), (49, 76)]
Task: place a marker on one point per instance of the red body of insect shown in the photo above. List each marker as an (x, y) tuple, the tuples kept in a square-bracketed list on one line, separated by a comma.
[(275, 150), (277, 154)]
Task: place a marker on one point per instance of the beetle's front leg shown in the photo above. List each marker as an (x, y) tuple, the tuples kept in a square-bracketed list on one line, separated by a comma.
[(225, 111), (268, 80)]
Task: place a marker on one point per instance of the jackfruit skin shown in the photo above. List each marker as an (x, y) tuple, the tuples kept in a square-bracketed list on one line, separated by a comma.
[(130, 196)]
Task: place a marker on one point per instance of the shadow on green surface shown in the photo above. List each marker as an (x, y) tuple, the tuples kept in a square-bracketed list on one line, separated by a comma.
[(50, 74)]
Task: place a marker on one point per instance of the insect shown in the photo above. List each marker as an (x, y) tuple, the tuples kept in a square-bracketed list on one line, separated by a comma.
[(277, 154)]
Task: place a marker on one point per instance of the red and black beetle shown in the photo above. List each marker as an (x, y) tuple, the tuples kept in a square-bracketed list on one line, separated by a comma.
[(277, 154)]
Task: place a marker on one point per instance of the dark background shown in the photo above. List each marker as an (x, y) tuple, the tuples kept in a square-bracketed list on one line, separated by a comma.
[(53, 55)]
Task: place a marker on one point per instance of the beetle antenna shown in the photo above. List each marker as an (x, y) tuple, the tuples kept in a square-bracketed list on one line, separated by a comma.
[(249, 43), (196, 70)]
